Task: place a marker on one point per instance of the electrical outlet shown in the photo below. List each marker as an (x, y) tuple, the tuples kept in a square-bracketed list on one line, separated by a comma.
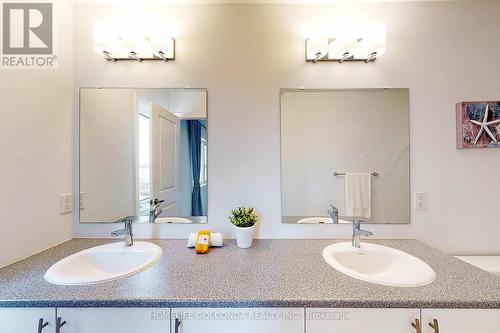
[(82, 200), (420, 200), (66, 203)]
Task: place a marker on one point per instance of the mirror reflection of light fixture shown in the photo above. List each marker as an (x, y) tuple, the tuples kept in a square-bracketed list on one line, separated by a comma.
[(121, 43), (355, 44)]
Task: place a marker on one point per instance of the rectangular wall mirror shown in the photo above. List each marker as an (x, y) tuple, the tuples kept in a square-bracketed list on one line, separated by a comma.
[(345, 154), (143, 154)]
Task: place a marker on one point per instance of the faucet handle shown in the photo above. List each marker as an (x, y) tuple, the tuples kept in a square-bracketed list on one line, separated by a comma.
[(128, 223), (332, 210), (356, 223), (156, 202)]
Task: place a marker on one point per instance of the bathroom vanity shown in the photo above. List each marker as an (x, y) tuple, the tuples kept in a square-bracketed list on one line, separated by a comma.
[(276, 286)]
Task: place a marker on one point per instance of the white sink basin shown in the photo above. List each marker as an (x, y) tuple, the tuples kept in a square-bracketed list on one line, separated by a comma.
[(379, 264), (172, 220), (320, 220), (103, 263)]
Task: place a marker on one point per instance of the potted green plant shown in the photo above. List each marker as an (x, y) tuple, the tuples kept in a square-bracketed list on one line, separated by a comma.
[(244, 220)]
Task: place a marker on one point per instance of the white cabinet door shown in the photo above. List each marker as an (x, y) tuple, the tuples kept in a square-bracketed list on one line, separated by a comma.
[(227, 320), (346, 320), (27, 320), (461, 320), (114, 320)]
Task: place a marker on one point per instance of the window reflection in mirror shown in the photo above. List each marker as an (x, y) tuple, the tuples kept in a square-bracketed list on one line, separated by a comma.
[(144, 167), (143, 153)]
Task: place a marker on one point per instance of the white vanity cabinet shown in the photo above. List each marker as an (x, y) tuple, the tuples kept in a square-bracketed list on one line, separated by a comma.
[(247, 320), (348, 320), (29, 320), (111, 320), (231, 320), (461, 321)]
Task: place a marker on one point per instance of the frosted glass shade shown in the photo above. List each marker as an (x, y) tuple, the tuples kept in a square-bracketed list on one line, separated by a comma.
[(374, 42), (343, 46), (162, 45), (317, 48)]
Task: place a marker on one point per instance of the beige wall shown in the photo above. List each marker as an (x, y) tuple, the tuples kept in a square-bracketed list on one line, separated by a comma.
[(443, 52), (36, 144)]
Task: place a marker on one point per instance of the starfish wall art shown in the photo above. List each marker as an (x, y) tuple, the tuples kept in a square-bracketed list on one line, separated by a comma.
[(478, 124)]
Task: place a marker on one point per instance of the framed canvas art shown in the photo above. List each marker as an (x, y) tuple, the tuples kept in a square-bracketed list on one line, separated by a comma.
[(478, 124)]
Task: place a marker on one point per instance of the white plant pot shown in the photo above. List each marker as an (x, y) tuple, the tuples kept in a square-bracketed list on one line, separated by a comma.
[(244, 236)]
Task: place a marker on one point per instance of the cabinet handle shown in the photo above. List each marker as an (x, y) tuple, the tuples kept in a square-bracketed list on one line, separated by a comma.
[(41, 325), (435, 325), (177, 323), (59, 324), (416, 325)]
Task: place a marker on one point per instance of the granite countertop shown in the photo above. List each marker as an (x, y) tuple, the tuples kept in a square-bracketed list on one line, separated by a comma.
[(274, 273)]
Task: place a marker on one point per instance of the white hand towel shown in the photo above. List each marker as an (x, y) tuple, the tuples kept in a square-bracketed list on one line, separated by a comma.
[(216, 239), (358, 195)]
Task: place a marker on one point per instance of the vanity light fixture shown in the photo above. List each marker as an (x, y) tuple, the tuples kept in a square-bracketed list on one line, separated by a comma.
[(361, 44), (115, 43)]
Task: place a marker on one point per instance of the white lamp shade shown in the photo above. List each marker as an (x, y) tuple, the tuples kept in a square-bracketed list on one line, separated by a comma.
[(106, 39), (137, 42), (342, 46), (317, 48), (162, 44), (102, 39), (374, 42), (376, 46)]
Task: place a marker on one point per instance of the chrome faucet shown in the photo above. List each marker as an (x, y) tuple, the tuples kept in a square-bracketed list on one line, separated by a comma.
[(334, 214), (155, 210), (357, 232), (129, 236)]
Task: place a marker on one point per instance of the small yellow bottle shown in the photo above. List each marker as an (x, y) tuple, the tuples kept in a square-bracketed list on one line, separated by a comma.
[(202, 241)]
